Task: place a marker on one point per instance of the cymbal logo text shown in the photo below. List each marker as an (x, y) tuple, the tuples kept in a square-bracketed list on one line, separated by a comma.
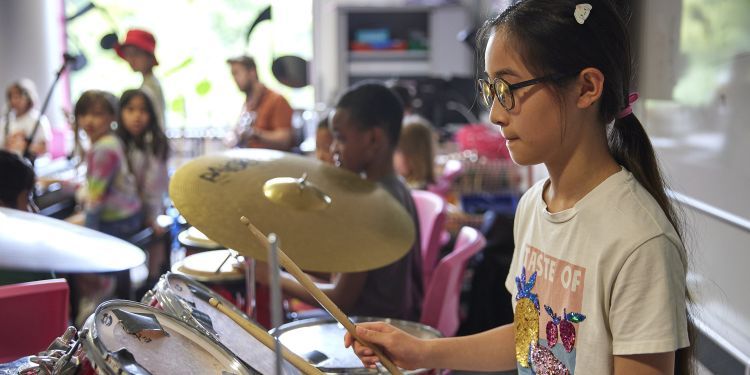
[(216, 174)]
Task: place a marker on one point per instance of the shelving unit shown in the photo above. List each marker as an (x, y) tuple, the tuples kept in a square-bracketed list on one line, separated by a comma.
[(429, 47)]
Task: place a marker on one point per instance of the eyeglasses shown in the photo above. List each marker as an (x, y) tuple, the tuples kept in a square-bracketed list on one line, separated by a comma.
[(503, 91)]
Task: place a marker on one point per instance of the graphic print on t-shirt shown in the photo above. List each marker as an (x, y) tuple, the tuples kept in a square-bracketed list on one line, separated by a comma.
[(549, 296)]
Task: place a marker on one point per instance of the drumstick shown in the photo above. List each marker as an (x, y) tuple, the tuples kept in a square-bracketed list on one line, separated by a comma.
[(319, 296), (265, 338)]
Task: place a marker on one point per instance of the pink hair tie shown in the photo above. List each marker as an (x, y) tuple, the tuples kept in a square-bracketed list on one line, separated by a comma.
[(629, 109)]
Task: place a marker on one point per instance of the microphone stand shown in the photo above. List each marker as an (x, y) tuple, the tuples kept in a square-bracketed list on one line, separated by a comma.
[(27, 149)]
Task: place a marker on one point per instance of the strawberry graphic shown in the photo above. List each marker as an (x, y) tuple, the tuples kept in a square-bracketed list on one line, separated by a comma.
[(563, 325), (568, 330), (552, 326)]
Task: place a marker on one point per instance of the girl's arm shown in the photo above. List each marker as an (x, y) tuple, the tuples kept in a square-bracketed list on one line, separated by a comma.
[(645, 364), (492, 350)]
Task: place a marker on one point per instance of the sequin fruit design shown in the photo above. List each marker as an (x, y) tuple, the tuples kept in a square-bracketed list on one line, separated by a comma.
[(526, 317), (563, 324), (544, 362)]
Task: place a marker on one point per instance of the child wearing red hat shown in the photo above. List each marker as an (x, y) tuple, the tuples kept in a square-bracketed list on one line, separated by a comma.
[(138, 50)]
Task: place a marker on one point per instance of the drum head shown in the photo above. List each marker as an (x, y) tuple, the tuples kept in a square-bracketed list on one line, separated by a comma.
[(188, 299), (159, 342), (192, 237), (203, 266), (320, 341)]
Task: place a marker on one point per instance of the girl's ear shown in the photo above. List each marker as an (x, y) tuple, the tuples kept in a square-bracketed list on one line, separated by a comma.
[(590, 83)]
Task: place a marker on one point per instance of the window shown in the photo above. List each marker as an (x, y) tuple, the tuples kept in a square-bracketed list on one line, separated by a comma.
[(194, 39)]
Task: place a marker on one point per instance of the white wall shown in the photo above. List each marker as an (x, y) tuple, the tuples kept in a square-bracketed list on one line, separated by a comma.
[(31, 46), (695, 78)]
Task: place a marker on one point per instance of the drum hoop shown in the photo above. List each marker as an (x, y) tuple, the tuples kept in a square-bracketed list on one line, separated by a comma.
[(183, 238), (356, 319), (288, 327), (172, 304), (94, 347)]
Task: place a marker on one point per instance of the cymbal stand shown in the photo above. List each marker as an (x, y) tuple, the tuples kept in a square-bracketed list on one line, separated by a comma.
[(274, 270), (249, 266), (250, 287)]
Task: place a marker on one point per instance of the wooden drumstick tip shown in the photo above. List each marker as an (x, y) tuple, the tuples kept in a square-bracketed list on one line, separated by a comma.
[(244, 220), (213, 301)]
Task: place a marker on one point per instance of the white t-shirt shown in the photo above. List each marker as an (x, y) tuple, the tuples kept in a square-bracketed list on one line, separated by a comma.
[(614, 261), (152, 88), (25, 124)]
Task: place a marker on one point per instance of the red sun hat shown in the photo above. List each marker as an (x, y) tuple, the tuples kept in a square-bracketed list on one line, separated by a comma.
[(140, 39)]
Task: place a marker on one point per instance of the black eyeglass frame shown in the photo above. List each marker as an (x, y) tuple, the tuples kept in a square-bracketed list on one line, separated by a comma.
[(512, 87)]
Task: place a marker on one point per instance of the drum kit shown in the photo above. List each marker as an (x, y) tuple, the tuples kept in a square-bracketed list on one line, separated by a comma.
[(251, 201)]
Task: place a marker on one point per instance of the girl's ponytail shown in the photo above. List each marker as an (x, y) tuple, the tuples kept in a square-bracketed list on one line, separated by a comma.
[(631, 147)]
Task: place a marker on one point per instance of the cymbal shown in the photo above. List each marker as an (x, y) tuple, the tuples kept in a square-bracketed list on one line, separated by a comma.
[(327, 219), (32, 242)]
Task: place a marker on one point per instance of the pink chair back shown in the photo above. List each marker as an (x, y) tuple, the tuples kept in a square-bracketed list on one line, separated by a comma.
[(431, 213), (32, 315), (451, 171), (57, 145), (440, 308)]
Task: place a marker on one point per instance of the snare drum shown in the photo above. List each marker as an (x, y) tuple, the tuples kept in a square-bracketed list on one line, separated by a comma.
[(321, 342), (188, 300), (229, 282), (128, 337)]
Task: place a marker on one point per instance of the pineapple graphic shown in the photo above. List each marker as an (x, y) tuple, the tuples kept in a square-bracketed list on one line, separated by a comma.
[(526, 317)]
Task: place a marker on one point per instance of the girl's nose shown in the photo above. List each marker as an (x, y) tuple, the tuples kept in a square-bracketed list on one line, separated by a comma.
[(498, 114)]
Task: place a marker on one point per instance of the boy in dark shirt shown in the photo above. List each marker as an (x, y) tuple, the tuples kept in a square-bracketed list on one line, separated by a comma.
[(366, 126)]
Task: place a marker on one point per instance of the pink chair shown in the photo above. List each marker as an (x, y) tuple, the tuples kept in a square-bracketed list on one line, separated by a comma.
[(32, 315), (431, 213), (451, 171), (440, 308), (57, 146)]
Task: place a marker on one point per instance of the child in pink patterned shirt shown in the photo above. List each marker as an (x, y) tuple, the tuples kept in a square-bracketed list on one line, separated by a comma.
[(112, 204)]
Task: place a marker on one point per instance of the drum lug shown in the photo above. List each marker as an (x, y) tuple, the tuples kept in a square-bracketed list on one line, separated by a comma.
[(148, 297)]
